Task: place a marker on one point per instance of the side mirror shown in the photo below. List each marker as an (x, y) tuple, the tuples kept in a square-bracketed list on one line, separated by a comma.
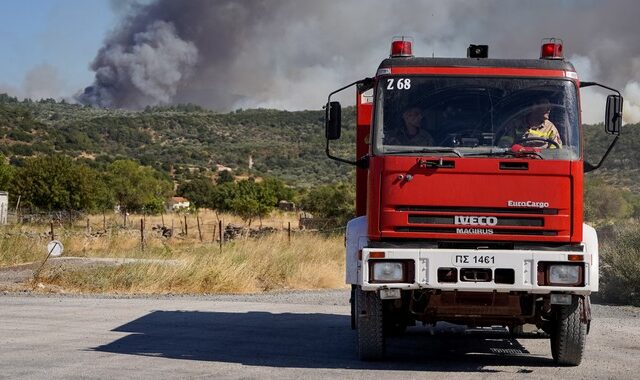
[(613, 115), (333, 120)]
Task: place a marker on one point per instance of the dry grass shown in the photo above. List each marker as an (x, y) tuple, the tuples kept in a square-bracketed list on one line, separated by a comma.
[(309, 261), (208, 219), (21, 249), (251, 265)]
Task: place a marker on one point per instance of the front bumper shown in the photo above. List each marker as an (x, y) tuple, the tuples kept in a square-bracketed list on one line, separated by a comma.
[(524, 263)]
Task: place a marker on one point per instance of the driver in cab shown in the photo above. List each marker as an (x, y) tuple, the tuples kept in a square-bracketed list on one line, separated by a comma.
[(539, 131), (410, 132)]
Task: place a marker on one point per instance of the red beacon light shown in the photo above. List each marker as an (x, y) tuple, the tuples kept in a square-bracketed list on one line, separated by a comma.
[(551, 49), (401, 47)]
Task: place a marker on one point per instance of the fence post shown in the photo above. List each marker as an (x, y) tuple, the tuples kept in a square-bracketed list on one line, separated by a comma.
[(220, 233), (162, 216), (199, 230), (53, 236), (142, 234), (104, 221), (18, 209), (213, 237), (186, 228), (289, 233)]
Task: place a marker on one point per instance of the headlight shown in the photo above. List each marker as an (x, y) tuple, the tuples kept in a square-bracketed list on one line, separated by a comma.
[(564, 274), (385, 271)]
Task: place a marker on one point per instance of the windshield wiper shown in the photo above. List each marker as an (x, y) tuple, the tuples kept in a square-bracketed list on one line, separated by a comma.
[(428, 150)]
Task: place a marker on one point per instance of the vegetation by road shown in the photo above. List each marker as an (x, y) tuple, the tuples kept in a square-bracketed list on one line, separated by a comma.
[(304, 260)]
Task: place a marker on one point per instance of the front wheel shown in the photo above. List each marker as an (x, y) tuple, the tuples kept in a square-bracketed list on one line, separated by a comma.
[(569, 333), (370, 325)]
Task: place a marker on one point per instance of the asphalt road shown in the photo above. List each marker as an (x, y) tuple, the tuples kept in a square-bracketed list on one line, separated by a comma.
[(292, 335)]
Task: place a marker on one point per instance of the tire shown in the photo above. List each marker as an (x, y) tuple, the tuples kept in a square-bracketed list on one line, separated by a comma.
[(371, 342), (568, 333)]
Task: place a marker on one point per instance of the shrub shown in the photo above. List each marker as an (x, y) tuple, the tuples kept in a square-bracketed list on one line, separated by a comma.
[(620, 265), (59, 183), (617, 204), (335, 202)]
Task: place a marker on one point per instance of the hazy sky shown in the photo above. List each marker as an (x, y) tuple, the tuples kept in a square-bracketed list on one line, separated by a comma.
[(289, 54), (53, 38)]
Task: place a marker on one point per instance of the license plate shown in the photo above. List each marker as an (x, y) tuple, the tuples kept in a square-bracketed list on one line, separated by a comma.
[(475, 260), (389, 294)]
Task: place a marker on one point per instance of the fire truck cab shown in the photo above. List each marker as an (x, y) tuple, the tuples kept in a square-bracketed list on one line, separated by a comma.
[(469, 183)]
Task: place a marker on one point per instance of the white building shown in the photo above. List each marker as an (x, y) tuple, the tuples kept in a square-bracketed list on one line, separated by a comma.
[(4, 207), (222, 168), (177, 203)]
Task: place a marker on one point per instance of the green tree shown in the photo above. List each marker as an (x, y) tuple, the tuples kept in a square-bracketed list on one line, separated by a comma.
[(223, 196), (198, 191), (225, 176), (246, 208), (253, 200), (59, 183), (135, 186), (247, 199), (6, 173), (279, 189), (335, 202)]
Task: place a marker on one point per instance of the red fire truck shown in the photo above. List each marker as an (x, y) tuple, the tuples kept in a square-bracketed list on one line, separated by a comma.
[(469, 183)]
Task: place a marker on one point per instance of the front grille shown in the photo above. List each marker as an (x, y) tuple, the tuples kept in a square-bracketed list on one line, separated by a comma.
[(501, 221)]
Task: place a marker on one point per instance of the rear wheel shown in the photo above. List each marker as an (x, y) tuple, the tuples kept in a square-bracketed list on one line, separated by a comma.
[(568, 333), (371, 342)]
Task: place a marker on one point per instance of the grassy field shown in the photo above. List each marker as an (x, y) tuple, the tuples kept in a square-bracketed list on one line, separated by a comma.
[(185, 264), (181, 264)]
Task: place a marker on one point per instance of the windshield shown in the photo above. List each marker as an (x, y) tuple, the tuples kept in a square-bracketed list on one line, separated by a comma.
[(476, 117)]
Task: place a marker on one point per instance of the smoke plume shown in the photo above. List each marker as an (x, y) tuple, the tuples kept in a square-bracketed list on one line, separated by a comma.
[(145, 71), (289, 54), (40, 82)]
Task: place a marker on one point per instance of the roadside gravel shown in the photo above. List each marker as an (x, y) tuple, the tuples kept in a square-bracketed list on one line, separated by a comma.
[(337, 297)]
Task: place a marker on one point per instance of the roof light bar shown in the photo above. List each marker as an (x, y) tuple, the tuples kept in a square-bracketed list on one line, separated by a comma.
[(551, 49), (401, 46)]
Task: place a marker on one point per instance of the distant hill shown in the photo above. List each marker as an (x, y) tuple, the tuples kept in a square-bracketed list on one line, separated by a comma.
[(186, 139), (178, 140), (622, 167)]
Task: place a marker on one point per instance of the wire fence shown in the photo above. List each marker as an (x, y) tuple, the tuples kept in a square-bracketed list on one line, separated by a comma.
[(147, 228)]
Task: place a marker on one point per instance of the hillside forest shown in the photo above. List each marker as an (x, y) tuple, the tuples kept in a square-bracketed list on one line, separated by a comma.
[(61, 156)]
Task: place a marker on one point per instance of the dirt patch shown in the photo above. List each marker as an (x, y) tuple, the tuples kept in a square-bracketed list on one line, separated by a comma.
[(15, 278)]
